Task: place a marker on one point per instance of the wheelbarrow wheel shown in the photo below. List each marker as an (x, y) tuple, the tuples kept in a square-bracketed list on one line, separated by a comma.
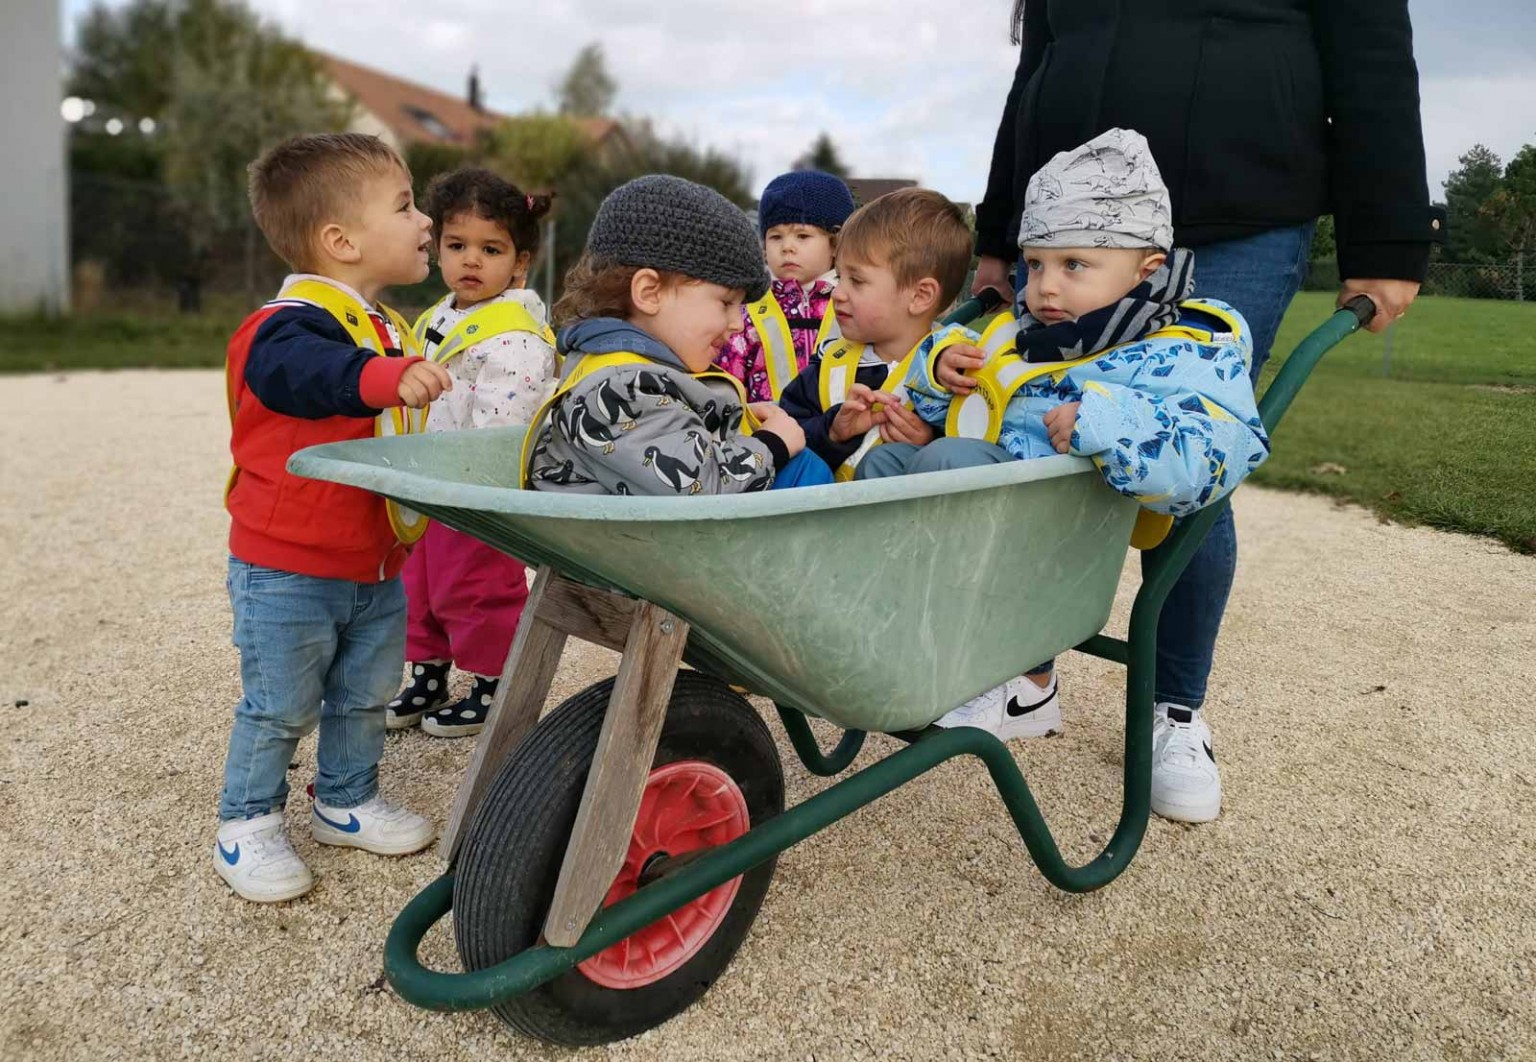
[(716, 774)]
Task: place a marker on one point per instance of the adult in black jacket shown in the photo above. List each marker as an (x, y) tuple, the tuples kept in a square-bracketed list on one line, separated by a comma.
[(1262, 115)]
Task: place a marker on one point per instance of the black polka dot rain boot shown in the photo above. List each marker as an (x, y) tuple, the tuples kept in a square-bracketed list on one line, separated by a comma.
[(426, 692)]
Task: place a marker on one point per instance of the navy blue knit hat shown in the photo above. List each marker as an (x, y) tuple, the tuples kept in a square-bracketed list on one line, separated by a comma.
[(804, 197)]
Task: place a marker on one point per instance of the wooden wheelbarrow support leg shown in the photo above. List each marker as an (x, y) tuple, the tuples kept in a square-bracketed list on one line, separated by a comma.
[(625, 748), (556, 608), (525, 681)]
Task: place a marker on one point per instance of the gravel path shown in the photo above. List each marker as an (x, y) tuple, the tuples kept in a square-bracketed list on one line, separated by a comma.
[(1367, 893)]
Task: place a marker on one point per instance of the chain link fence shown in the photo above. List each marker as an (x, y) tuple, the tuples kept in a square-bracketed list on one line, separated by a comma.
[(131, 247), (1513, 280)]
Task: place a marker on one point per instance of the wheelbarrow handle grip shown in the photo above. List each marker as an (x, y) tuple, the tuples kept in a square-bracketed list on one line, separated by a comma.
[(1363, 309), (977, 306), (990, 299)]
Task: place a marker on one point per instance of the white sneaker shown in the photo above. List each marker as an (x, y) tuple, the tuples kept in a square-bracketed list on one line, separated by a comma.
[(1186, 786), (376, 826), (255, 858), (1016, 709)]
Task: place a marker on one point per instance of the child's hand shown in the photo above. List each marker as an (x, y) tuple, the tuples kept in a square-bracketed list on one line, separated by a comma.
[(1061, 422), (786, 427), (952, 366), (855, 416), (422, 382), (898, 423)]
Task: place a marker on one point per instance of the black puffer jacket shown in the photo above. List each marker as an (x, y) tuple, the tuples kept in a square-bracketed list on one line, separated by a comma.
[(1260, 113)]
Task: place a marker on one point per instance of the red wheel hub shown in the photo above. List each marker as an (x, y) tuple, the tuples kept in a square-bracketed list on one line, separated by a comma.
[(686, 806)]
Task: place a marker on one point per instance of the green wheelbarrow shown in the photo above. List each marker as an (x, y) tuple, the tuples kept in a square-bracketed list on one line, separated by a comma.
[(606, 861)]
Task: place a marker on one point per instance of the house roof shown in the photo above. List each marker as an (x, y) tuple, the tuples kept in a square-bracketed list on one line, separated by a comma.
[(868, 189), (417, 114)]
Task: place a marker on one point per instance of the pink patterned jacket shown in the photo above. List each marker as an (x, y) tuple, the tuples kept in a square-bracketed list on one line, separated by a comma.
[(804, 305)]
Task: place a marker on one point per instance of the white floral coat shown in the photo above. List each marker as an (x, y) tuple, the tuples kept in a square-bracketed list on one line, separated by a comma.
[(499, 381)]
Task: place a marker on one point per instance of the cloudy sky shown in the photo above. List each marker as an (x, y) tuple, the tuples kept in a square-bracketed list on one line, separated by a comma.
[(906, 88)]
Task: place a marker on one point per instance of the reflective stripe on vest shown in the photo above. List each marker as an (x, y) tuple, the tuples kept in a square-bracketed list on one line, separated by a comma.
[(839, 372), (483, 322), (407, 523), (592, 363), (778, 340), (979, 415)]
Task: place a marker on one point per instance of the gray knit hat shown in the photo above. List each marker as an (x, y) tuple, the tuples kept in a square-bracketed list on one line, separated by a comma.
[(1107, 193), (674, 225)]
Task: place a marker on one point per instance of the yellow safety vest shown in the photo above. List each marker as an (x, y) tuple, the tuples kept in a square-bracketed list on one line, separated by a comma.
[(979, 415), (778, 339), (592, 363), (839, 372), (408, 524), (483, 322)]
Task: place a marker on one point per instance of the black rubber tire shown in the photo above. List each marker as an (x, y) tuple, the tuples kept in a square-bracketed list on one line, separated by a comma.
[(510, 858)]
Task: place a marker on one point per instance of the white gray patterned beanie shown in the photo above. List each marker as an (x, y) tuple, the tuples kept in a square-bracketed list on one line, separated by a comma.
[(1106, 193), (677, 226)]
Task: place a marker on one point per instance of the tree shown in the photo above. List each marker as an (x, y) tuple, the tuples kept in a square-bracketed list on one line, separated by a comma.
[(537, 151), (1512, 208), (822, 156), (1324, 240), (120, 59), (1473, 236), (221, 86), (582, 189), (587, 90)]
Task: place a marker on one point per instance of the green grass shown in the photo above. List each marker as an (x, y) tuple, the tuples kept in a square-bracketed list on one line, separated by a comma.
[(116, 341), (152, 335), (1444, 434)]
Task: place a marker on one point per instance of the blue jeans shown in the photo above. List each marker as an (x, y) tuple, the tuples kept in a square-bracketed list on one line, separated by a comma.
[(941, 455), (1259, 275), (313, 652), (805, 469)]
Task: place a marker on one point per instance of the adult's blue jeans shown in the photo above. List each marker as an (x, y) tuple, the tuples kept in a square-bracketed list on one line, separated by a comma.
[(1259, 275), (313, 652)]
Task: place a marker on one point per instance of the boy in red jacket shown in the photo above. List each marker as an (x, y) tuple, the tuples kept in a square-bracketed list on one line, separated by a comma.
[(319, 611)]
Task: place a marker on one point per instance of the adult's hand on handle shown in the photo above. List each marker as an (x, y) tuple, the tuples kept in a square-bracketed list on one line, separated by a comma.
[(992, 273), (1392, 298)]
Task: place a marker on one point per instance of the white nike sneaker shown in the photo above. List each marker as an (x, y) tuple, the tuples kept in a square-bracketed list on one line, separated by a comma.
[(255, 858), (375, 826), (1016, 709), (1186, 786)]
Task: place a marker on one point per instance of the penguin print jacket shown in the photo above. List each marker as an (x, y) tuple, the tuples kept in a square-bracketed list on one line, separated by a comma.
[(650, 428)]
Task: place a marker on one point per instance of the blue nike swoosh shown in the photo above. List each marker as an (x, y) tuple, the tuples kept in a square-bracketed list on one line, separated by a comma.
[(350, 826), (229, 857)]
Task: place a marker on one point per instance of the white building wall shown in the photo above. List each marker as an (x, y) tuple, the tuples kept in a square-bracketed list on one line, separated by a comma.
[(34, 245)]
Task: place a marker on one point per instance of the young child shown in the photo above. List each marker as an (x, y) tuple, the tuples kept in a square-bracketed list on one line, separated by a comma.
[(489, 332), (319, 610), (902, 260), (799, 216), (1111, 361), (650, 304)]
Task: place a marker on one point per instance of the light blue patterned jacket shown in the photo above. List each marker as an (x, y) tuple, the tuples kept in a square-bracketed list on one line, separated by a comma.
[(1171, 421)]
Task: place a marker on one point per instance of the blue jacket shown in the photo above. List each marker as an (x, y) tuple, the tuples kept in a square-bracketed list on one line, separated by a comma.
[(1170, 421)]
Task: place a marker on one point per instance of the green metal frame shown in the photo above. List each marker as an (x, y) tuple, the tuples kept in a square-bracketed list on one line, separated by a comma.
[(927, 749)]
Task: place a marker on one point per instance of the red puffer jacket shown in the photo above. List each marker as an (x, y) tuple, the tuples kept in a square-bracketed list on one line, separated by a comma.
[(295, 379)]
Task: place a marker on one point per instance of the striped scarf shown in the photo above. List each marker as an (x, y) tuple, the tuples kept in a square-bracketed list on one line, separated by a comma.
[(1150, 305)]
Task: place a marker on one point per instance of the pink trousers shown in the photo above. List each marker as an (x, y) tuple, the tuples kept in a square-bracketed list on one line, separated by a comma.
[(464, 600)]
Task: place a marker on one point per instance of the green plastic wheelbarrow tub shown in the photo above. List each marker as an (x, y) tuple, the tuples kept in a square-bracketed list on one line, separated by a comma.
[(875, 605)]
